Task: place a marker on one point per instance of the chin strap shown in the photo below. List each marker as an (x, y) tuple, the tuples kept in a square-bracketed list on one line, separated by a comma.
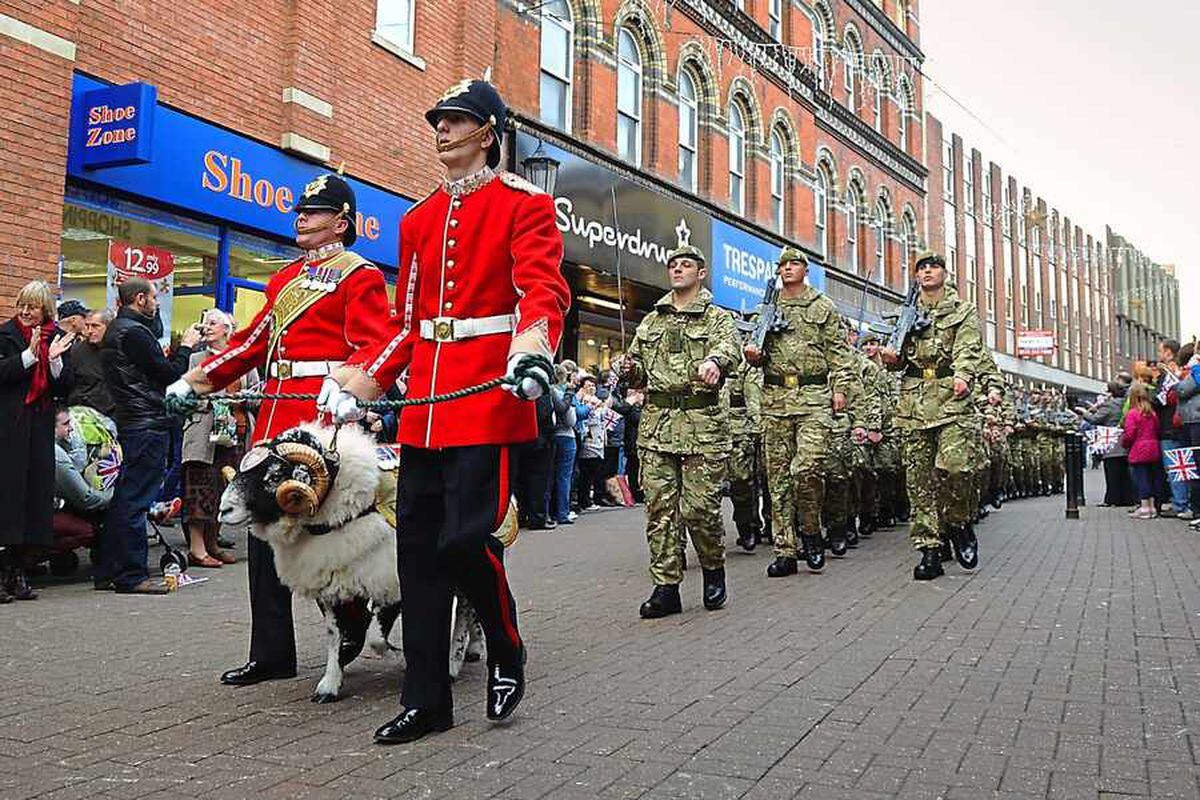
[(318, 228), (470, 137)]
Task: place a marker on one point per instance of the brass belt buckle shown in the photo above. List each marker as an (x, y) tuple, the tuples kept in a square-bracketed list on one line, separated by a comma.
[(791, 381), (928, 373), (443, 329), (283, 370)]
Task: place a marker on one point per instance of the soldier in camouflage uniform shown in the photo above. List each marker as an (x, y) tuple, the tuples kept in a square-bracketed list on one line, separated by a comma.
[(745, 426), (889, 477), (841, 464), (866, 436), (680, 355), (807, 375), (938, 417), (989, 383)]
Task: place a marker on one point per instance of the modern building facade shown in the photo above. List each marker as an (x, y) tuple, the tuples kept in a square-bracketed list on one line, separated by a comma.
[(1146, 301), (1036, 276)]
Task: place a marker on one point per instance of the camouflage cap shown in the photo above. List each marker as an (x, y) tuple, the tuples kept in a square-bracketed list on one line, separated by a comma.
[(867, 337), (687, 251), (929, 255), (791, 254)]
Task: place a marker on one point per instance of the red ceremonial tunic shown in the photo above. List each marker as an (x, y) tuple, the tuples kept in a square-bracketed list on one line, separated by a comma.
[(330, 329), (479, 253)]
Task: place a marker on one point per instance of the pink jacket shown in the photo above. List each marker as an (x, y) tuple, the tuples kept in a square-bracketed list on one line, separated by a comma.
[(1141, 437)]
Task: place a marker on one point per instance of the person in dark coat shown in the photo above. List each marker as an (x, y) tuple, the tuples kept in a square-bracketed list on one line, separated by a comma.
[(89, 387), (32, 375)]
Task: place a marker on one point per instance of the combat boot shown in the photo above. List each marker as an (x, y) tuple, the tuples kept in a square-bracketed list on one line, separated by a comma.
[(945, 551), (930, 566), (850, 533), (664, 601), (747, 540), (837, 542), (866, 527), (966, 546), (814, 551), (781, 567), (714, 588)]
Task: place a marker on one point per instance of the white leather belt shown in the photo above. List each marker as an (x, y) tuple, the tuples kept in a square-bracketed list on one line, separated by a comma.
[(449, 329), (283, 370)]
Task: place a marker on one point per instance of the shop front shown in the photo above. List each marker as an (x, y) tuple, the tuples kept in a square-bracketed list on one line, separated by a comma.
[(202, 211)]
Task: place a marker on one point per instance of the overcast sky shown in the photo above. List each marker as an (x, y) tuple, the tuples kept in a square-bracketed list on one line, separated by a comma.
[(1093, 104)]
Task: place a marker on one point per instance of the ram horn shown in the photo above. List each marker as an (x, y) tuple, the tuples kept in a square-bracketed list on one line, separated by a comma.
[(298, 453), (297, 497)]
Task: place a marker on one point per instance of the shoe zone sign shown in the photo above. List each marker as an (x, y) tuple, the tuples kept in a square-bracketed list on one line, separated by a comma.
[(121, 139), (742, 264)]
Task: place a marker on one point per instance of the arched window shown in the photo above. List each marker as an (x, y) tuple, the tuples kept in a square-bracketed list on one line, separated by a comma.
[(851, 65), (775, 19), (882, 217), (903, 111), (629, 98), (877, 97), (823, 36), (821, 187), (910, 248), (557, 60), (689, 130), (901, 8), (777, 180), (737, 158), (853, 237)]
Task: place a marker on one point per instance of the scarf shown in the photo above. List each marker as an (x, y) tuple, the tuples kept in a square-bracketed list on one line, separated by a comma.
[(39, 384)]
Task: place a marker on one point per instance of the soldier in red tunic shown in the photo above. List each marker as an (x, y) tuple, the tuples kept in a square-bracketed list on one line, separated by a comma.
[(319, 310), (480, 294)]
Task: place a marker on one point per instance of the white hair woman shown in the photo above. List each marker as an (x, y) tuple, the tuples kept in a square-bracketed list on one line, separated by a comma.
[(212, 439), (32, 376)]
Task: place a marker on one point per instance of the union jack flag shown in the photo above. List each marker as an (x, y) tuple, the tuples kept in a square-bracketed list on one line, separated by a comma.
[(1169, 381), (1103, 439), (1181, 464), (108, 469)]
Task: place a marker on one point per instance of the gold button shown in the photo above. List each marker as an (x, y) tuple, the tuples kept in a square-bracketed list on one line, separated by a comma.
[(453, 223), (450, 262), (456, 203), (449, 284), (451, 243), (448, 305)]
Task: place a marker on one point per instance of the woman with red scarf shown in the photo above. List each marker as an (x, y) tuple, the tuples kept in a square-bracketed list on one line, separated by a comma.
[(32, 375)]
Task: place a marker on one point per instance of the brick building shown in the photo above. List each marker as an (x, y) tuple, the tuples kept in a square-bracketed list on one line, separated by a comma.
[(1025, 264), (741, 126), (1146, 300)]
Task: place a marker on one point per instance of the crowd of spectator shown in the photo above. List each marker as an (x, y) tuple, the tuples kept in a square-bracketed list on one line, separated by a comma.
[(1156, 408)]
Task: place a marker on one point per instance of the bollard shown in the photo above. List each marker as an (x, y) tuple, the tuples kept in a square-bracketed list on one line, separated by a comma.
[(1081, 453), (1073, 478)]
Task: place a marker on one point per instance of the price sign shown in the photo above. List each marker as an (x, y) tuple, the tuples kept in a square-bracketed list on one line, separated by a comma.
[(155, 264)]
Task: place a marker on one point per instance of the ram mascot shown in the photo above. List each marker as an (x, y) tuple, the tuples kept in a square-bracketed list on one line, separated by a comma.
[(324, 500)]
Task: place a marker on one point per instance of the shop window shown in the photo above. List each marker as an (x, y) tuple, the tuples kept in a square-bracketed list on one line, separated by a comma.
[(99, 230)]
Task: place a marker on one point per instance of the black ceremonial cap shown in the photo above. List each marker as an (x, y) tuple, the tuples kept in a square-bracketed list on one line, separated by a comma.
[(477, 99), (330, 192)]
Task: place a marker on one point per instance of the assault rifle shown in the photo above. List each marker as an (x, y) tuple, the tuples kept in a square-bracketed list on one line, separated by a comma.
[(912, 319), (768, 320)]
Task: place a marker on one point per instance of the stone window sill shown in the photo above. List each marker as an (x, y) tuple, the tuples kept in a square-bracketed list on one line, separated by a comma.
[(398, 50)]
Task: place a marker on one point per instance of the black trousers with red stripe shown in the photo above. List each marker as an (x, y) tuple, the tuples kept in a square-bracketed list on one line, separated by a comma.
[(448, 504)]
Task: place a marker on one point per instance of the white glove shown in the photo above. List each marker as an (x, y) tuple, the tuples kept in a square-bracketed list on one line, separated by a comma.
[(327, 397), (534, 377), (346, 408), (180, 389)]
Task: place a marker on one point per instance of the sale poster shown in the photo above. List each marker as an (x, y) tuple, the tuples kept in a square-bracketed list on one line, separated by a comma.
[(155, 264)]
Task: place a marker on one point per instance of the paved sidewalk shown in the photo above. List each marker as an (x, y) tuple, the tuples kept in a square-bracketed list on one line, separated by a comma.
[(1066, 667)]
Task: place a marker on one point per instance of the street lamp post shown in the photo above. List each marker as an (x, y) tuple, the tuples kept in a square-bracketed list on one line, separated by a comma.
[(541, 169)]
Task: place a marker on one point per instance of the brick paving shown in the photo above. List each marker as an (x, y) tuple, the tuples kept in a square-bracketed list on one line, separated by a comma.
[(1066, 667)]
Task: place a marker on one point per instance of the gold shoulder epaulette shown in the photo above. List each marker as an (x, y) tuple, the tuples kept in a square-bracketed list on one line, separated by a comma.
[(514, 181)]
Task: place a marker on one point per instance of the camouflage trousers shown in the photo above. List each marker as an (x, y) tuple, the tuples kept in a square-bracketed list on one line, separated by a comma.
[(864, 502), (683, 496), (841, 466), (795, 449), (941, 479), (743, 485)]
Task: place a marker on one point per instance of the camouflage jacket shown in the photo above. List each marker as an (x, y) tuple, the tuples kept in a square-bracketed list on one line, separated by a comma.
[(951, 347), (814, 349), (745, 391), (666, 351), (866, 411)]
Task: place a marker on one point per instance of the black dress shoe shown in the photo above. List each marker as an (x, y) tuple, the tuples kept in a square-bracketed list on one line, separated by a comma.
[(781, 567), (966, 547), (663, 601), (505, 686), (930, 566), (253, 672), (414, 723), (714, 588)]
